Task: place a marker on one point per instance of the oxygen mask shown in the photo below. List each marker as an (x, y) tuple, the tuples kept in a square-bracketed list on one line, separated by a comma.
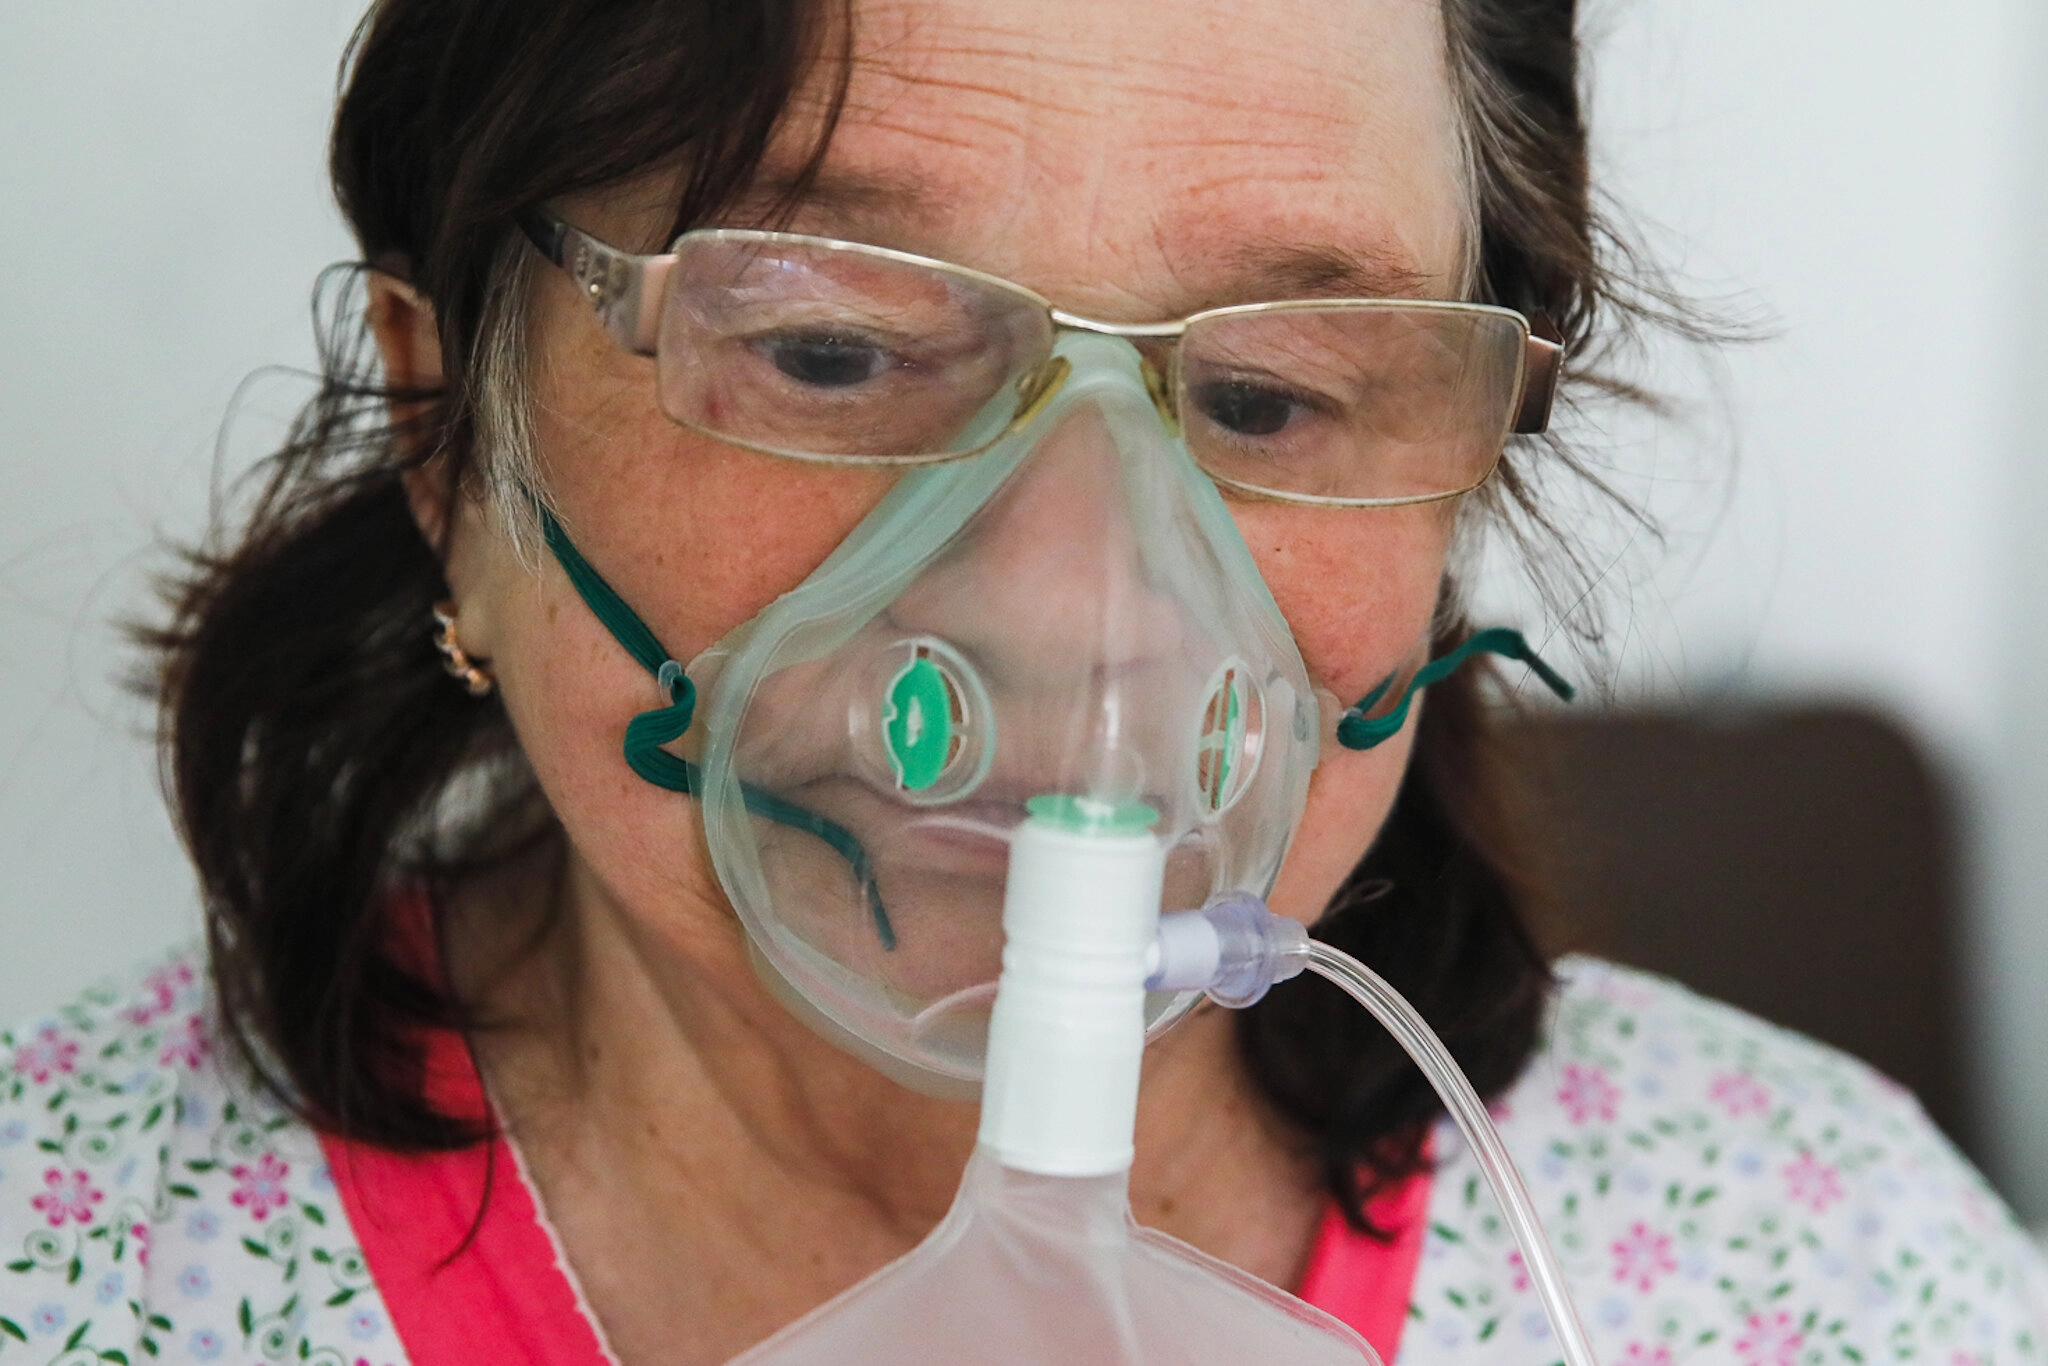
[(1051, 611), (1068, 623)]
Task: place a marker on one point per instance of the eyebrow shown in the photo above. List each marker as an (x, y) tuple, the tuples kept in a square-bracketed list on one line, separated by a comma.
[(776, 195), (1327, 272), (1256, 271)]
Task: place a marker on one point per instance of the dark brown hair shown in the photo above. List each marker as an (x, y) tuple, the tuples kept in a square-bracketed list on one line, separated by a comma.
[(312, 744)]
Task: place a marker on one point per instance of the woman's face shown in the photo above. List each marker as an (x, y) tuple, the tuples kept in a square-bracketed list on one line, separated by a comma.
[(1131, 162)]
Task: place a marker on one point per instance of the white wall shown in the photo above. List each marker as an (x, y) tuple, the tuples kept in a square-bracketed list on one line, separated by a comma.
[(2011, 948), (1857, 503), (162, 215), (1867, 171)]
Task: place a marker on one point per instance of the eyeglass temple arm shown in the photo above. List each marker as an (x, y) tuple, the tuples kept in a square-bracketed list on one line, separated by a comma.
[(622, 287), (1542, 360)]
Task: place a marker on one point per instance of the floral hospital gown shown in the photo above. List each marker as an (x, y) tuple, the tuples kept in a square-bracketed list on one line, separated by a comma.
[(1718, 1191)]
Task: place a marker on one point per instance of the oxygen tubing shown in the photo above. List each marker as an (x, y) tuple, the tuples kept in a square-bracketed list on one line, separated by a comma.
[(1420, 1042), (1234, 948)]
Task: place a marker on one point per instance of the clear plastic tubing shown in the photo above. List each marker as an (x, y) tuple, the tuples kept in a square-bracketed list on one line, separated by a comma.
[(1388, 1006), (1234, 948)]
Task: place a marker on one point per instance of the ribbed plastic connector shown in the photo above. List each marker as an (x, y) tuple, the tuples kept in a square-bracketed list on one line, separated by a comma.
[(1067, 1035), (1233, 948)]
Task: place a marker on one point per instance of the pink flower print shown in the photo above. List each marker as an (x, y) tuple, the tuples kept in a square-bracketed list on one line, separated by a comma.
[(1740, 1094), (1769, 1341), (1639, 1355), (159, 993), (1813, 1183), (186, 1044), (1521, 1270), (47, 1055), (1642, 1255), (1587, 1093), (260, 1189), (1628, 995), (67, 1197), (139, 1235)]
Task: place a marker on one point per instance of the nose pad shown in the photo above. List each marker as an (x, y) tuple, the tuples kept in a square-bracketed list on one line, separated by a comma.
[(1152, 366), (1036, 390), (1121, 380)]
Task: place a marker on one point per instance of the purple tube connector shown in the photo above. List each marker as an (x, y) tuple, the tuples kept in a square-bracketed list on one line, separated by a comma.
[(1233, 948)]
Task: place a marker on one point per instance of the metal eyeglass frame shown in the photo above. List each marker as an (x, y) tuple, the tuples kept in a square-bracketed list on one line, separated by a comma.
[(626, 288)]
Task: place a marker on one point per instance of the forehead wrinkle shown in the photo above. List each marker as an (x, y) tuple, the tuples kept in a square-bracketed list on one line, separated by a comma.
[(1014, 97), (878, 75), (969, 96), (956, 133)]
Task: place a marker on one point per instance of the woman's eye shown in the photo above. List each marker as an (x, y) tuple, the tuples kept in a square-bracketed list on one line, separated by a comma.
[(824, 361), (1246, 409)]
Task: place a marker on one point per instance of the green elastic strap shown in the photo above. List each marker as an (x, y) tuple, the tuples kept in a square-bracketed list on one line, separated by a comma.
[(650, 730), (1355, 730), (647, 733)]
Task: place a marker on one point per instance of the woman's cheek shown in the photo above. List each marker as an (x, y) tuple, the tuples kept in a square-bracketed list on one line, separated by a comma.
[(1349, 797), (696, 538), (696, 535), (1358, 588), (570, 691)]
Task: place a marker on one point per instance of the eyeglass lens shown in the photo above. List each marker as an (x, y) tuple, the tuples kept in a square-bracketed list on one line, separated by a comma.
[(843, 354)]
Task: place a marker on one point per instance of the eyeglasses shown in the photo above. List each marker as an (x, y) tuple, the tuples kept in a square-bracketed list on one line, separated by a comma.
[(820, 350)]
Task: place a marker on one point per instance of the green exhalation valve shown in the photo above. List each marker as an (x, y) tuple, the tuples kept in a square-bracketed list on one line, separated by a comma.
[(1216, 751), (921, 722)]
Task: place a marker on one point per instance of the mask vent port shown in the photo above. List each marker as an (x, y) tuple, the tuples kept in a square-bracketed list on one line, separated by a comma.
[(1226, 744), (934, 723)]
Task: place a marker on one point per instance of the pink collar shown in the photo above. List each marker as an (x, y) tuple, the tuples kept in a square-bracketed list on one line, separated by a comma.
[(463, 1288)]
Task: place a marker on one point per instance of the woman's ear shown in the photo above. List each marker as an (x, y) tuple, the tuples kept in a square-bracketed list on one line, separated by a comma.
[(403, 323)]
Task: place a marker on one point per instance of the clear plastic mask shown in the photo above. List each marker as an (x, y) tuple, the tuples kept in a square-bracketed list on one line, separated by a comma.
[(1070, 617)]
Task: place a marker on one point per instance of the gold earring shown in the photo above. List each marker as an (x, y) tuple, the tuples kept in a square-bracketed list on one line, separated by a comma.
[(476, 677)]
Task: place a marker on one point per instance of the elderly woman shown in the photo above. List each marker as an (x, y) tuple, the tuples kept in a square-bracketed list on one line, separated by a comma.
[(515, 1040)]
